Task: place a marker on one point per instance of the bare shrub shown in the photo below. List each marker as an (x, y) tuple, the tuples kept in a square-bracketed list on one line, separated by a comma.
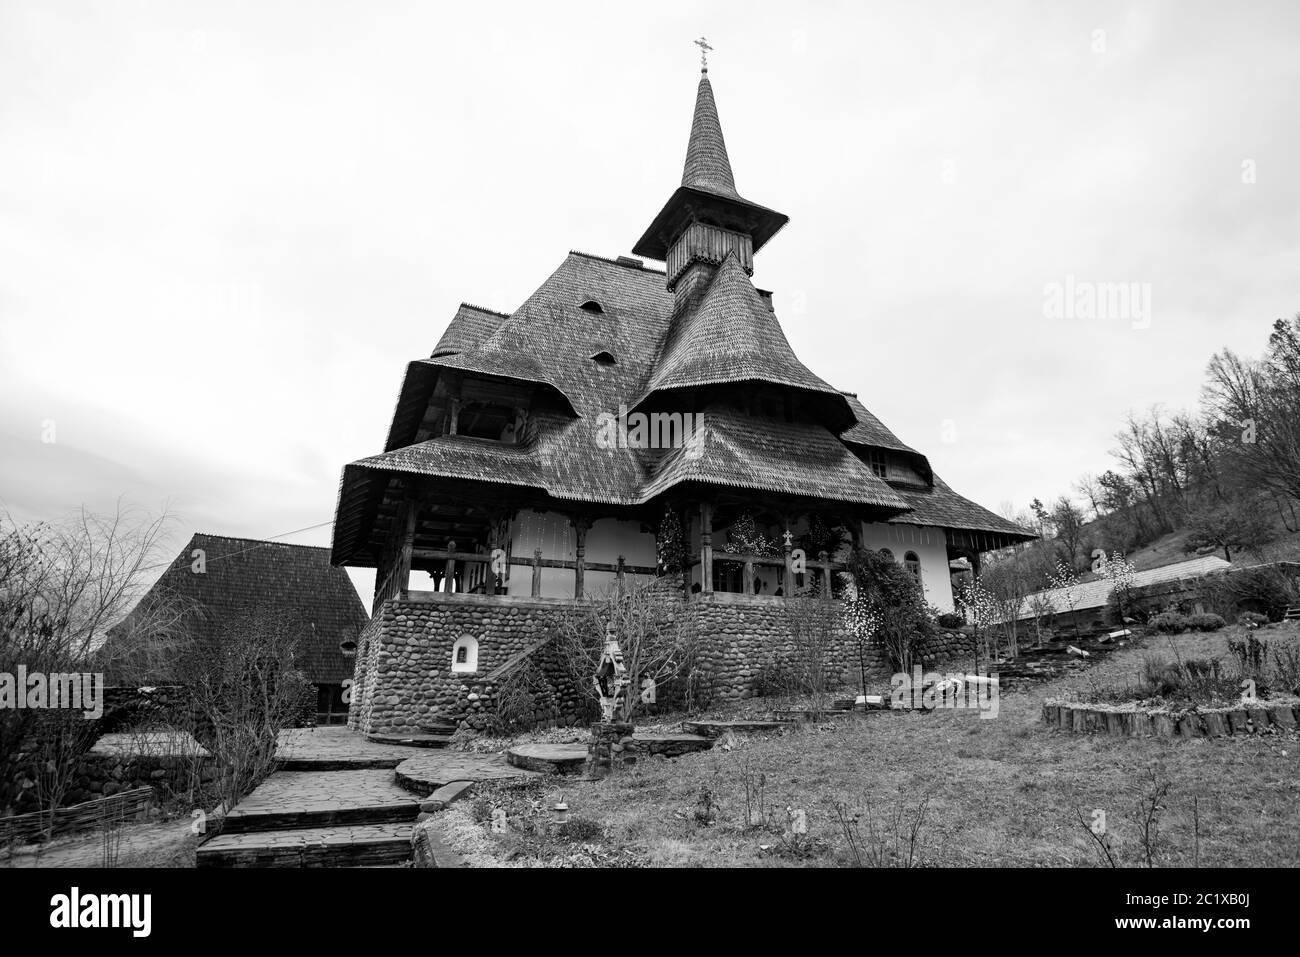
[(656, 633), (245, 688), (892, 838)]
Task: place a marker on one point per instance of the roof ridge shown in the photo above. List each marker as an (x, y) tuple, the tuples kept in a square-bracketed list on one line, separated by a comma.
[(495, 312), (615, 262), (256, 541)]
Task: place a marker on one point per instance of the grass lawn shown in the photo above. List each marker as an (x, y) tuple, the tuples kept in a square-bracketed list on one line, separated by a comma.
[(1001, 791)]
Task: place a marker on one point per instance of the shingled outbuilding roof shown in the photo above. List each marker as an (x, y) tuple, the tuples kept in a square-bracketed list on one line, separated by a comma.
[(294, 583)]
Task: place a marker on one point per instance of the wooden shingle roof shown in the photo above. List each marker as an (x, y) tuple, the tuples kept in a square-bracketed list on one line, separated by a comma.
[(939, 506), (732, 336), (470, 326), (294, 583), (551, 340), (707, 165)]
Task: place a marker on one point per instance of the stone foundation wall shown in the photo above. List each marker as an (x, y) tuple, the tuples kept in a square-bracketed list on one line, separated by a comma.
[(404, 680), (748, 646)]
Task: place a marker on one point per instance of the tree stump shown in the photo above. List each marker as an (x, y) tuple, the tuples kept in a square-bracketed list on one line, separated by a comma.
[(1189, 726), (1259, 718), (1216, 724), (1114, 723), (1282, 716), (1164, 724), (1237, 722), (1077, 719)]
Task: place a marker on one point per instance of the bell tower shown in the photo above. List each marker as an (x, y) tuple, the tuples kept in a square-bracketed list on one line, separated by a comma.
[(706, 219)]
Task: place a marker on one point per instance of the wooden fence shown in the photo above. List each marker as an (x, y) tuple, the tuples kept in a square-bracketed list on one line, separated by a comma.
[(21, 828)]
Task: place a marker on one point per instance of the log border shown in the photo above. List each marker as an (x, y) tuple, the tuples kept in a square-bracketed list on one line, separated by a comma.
[(1082, 718)]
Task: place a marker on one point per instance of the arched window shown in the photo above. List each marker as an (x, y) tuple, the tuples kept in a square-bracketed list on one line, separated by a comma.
[(464, 655), (603, 358), (591, 305), (913, 564)]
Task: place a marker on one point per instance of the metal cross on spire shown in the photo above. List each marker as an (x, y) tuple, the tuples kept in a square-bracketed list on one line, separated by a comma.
[(703, 44)]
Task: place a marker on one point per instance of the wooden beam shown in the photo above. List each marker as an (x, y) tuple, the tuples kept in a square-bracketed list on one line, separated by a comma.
[(404, 554), (580, 526), (706, 547)]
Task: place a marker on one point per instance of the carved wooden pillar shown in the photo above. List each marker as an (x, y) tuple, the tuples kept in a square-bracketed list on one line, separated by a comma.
[(449, 570), (706, 547), (787, 543), (580, 526), (537, 573), (826, 574), (403, 564), (618, 575), (494, 542), (684, 521), (453, 413), (747, 577)]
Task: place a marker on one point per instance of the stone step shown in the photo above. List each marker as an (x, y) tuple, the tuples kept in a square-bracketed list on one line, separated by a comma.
[(715, 729), (321, 799), (569, 758), (364, 845), (548, 758), (418, 739)]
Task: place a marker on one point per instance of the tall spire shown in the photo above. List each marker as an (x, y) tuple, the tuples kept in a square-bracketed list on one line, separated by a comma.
[(705, 217), (707, 165)]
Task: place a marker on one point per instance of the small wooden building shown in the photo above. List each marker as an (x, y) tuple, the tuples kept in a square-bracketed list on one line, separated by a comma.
[(218, 579)]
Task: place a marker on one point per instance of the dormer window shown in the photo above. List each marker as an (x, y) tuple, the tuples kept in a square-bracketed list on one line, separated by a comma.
[(486, 420), (878, 463), (603, 358), (591, 305)]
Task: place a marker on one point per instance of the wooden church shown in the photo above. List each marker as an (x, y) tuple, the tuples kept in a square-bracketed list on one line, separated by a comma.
[(625, 413)]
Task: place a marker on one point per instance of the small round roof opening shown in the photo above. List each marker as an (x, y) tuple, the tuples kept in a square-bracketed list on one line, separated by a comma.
[(591, 305), (349, 648), (604, 358)]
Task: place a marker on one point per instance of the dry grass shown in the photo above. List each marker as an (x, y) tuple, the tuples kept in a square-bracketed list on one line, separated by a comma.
[(151, 844), (1002, 791)]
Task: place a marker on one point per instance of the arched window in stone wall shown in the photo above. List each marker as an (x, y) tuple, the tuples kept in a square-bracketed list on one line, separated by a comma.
[(464, 655), (913, 564)]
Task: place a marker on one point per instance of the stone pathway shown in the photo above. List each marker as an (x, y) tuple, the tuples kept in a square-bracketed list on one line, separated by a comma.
[(289, 799), (339, 800), (431, 770), (336, 748), (359, 845)]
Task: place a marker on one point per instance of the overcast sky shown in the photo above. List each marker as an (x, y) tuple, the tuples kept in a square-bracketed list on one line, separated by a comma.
[(226, 227)]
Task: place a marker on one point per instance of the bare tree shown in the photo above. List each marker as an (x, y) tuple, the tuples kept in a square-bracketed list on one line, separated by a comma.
[(62, 585)]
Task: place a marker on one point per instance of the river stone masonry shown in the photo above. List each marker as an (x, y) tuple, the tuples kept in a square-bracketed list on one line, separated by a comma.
[(404, 680)]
